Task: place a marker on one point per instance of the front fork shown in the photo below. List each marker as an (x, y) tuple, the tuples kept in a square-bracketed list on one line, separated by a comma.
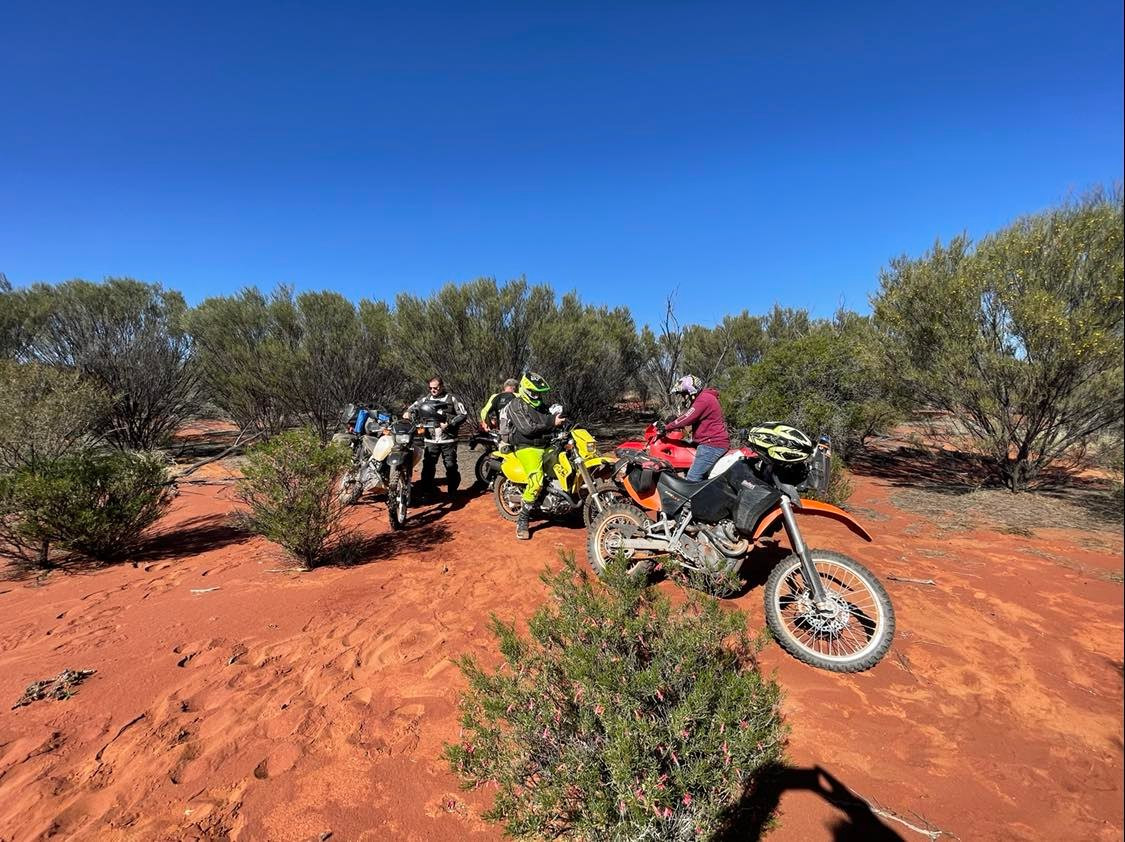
[(820, 596)]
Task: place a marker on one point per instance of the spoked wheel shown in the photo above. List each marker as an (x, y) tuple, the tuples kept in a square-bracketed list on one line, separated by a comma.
[(484, 470), (348, 488), (605, 495), (851, 632), (398, 499), (508, 497), (603, 540)]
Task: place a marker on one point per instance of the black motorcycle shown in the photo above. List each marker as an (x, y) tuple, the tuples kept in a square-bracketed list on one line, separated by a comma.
[(409, 439), (488, 463)]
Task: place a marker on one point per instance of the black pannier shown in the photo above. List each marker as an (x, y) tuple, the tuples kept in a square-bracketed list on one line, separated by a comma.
[(754, 500)]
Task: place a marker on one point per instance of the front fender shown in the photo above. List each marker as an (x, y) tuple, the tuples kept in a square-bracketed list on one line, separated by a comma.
[(814, 507)]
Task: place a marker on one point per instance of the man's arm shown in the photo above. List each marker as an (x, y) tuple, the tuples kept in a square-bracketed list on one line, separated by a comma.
[(487, 408), (462, 413)]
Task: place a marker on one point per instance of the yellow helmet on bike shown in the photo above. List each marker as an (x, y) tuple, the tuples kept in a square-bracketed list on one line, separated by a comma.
[(533, 388), (780, 442)]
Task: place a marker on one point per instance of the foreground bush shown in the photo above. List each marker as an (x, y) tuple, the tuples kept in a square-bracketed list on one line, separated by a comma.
[(289, 483), (94, 505), (621, 717)]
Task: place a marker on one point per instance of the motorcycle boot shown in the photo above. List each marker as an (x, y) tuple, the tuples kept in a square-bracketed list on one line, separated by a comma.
[(521, 522)]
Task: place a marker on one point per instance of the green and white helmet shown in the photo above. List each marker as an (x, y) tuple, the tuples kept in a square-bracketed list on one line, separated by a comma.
[(780, 442)]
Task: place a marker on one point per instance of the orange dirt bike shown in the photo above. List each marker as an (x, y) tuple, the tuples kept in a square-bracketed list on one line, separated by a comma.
[(823, 607)]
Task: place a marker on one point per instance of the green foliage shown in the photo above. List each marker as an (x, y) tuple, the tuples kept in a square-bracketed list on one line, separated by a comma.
[(124, 335), (587, 353), (95, 505), (473, 335), (45, 413), (1019, 339), (271, 360), (620, 717), (827, 380), (289, 485)]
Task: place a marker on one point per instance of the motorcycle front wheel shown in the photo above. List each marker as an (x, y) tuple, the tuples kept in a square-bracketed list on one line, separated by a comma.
[(398, 499), (348, 489), (508, 497), (850, 633)]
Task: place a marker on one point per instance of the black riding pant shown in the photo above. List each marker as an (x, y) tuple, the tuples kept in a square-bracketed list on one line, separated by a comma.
[(448, 453)]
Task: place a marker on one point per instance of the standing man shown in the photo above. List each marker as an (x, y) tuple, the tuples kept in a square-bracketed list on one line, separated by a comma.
[(449, 413), (490, 415), (708, 427)]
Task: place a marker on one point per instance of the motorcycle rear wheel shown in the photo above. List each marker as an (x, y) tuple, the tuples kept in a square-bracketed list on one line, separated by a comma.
[(398, 499), (608, 527), (851, 638), (483, 470), (508, 497)]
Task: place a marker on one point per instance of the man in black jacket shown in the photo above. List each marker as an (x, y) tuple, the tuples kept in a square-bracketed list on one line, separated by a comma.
[(448, 410)]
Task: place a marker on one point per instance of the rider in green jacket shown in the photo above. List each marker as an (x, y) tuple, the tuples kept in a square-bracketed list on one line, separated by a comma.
[(530, 425)]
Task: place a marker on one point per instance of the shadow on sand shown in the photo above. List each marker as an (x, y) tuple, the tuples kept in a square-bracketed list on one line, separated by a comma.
[(856, 820)]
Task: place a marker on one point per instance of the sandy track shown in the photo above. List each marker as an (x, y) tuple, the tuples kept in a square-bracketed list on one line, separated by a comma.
[(282, 706)]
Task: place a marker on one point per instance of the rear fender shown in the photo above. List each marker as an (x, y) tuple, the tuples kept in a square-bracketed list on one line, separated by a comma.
[(650, 501), (814, 507)]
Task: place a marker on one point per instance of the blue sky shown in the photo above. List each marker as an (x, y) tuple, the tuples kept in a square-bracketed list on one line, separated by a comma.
[(742, 154)]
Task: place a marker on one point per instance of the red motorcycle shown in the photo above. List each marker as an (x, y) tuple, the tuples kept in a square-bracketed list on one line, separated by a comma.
[(671, 450)]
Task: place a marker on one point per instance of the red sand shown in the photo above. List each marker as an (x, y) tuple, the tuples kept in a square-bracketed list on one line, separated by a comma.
[(283, 706)]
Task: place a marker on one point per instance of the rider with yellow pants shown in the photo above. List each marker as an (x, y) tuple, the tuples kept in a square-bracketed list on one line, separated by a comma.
[(529, 425)]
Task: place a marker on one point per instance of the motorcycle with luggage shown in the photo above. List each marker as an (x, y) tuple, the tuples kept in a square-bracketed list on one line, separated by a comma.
[(823, 607)]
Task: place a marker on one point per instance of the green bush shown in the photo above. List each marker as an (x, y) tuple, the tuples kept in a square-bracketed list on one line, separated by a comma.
[(620, 718), (828, 380), (94, 505), (45, 413), (289, 484)]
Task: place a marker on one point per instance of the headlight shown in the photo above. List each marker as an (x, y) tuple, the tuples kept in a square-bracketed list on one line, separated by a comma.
[(403, 438)]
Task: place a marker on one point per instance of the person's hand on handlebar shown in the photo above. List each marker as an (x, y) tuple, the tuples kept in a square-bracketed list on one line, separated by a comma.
[(660, 428), (559, 420)]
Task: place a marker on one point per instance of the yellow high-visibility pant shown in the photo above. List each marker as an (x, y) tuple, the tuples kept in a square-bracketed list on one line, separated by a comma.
[(532, 460)]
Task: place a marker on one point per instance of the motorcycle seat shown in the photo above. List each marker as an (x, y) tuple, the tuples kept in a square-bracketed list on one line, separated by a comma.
[(682, 487)]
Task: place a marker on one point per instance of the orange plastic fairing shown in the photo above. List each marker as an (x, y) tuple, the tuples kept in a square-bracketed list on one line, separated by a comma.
[(815, 507), (649, 501)]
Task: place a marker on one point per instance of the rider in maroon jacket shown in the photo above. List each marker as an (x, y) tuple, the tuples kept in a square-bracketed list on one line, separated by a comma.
[(705, 417)]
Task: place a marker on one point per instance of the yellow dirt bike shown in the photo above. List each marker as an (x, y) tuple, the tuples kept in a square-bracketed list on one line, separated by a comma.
[(576, 477)]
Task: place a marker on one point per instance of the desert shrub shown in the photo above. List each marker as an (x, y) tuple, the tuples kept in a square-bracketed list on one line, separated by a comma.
[(1019, 339), (839, 489), (269, 361), (474, 335), (586, 353), (96, 505), (828, 380), (289, 485), (124, 335), (620, 718), (45, 413)]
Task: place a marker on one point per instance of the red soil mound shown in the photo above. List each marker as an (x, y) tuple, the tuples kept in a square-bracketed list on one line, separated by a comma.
[(231, 699)]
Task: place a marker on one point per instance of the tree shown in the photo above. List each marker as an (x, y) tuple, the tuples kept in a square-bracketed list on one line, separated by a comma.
[(473, 335), (269, 361), (827, 380), (586, 353), (620, 718), (242, 358), (45, 413), (125, 335), (662, 353), (1019, 339)]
